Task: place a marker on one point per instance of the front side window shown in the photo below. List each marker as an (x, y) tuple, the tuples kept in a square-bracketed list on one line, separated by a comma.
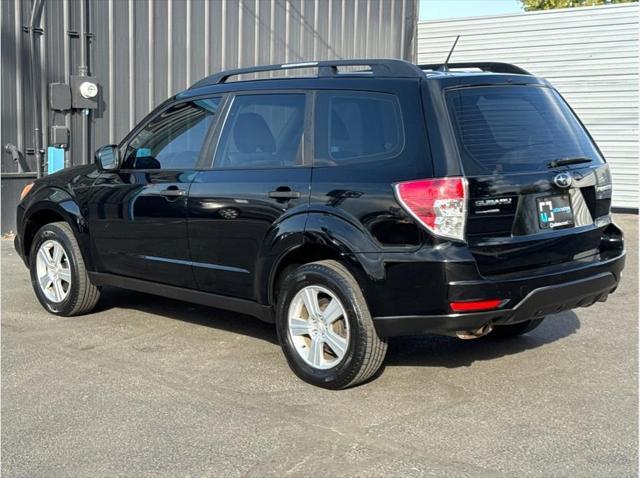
[(357, 126), (173, 139), (515, 129), (262, 131)]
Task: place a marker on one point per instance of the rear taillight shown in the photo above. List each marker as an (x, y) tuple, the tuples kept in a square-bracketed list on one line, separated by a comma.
[(440, 204), (603, 182)]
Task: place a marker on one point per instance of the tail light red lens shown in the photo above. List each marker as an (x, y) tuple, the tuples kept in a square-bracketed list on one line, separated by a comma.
[(439, 204), (475, 305)]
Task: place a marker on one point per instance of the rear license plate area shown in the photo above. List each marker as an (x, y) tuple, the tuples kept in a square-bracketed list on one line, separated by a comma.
[(554, 212)]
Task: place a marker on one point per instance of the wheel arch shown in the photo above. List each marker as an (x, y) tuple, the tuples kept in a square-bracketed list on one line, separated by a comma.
[(324, 237), (54, 205)]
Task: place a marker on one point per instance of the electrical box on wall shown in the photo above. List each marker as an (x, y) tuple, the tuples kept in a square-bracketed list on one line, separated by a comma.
[(59, 96), (84, 92), (59, 136)]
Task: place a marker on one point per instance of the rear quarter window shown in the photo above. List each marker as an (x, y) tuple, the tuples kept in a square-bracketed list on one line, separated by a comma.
[(515, 129), (353, 127), (262, 131)]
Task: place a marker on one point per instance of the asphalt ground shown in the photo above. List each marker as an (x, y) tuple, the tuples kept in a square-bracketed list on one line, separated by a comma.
[(147, 386)]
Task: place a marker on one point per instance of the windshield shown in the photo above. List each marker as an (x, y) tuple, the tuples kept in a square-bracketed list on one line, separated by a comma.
[(515, 129)]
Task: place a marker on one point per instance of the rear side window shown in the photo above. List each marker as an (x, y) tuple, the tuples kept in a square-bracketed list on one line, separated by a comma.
[(515, 129), (262, 131), (174, 138), (357, 126)]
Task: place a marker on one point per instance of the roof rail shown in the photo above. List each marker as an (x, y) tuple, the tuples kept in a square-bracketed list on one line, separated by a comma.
[(383, 68), (492, 66)]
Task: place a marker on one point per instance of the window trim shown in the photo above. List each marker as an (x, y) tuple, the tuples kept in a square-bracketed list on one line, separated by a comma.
[(395, 100), (304, 148), (166, 105)]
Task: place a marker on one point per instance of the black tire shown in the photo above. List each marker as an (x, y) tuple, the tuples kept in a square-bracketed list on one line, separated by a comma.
[(514, 330), (365, 351), (82, 295)]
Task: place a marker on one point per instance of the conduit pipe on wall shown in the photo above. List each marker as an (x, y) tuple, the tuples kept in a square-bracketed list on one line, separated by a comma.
[(34, 30), (84, 70)]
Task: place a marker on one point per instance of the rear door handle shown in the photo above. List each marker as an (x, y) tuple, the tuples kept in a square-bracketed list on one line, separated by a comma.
[(173, 192), (280, 194)]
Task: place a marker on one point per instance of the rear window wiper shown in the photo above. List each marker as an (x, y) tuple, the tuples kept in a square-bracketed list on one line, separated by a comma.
[(566, 161)]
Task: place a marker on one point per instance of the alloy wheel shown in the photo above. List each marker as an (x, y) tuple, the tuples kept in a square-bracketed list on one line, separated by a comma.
[(318, 327), (53, 270)]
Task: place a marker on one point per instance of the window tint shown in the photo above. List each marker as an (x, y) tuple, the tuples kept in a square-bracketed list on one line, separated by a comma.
[(262, 131), (515, 128), (357, 127), (173, 139)]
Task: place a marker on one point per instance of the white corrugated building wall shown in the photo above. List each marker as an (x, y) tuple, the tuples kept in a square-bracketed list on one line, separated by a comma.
[(590, 54)]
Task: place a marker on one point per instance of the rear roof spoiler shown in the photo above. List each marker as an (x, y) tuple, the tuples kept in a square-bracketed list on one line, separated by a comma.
[(491, 66)]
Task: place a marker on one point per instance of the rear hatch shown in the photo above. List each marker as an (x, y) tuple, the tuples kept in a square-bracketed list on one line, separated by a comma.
[(538, 188)]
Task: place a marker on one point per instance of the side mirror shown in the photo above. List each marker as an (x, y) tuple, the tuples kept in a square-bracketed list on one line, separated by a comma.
[(107, 158)]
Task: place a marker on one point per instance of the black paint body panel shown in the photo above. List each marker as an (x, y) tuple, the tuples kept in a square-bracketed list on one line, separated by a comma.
[(222, 241), (232, 218), (137, 232)]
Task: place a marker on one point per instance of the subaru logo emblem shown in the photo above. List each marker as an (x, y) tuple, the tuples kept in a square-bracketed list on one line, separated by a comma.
[(562, 180)]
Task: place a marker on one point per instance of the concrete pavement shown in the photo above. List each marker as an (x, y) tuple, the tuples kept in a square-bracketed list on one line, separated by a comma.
[(148, 386)]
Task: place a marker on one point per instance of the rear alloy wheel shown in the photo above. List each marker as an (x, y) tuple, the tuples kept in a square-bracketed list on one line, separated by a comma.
[(325, 328), (318, 327)]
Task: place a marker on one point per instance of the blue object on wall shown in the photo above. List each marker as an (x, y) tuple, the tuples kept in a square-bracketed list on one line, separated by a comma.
[(55, 159)]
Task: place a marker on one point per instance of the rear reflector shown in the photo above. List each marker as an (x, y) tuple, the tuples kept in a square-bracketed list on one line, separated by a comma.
[(475, 305), (439, 204)]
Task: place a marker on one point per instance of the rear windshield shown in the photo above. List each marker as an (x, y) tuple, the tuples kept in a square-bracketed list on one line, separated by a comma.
[(515, 129)]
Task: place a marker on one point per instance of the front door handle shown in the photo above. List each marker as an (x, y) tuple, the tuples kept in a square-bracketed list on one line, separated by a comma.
[(282, 193), (173, 191)]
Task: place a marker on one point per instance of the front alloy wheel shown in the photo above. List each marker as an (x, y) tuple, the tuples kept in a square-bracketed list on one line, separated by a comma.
[(53, 271), (58, 272)]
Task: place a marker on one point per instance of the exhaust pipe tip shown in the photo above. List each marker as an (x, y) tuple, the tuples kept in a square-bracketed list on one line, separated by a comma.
[(474, 334)]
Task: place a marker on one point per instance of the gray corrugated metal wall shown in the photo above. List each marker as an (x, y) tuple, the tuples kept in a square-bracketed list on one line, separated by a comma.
[(143, 51), (590, 54)]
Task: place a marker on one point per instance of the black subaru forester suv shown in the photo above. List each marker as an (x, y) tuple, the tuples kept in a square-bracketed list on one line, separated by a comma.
[(374, 198)]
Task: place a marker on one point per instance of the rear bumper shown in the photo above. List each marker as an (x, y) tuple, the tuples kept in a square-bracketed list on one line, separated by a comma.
[(545, 294)]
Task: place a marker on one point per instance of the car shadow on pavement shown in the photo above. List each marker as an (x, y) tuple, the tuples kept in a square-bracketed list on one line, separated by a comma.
[(187, 312), (423, 350), (451, 352)]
